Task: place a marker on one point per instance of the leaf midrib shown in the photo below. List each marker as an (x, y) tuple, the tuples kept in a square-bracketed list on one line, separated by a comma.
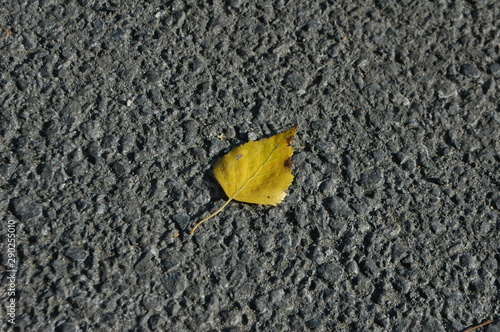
[(257, 171)]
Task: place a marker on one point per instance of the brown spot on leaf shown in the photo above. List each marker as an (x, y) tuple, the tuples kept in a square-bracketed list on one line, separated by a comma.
[(289, 163), (290, 139), (238, 156)]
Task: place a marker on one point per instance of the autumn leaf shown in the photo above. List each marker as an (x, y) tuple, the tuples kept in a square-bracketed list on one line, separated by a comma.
[(257, 172)]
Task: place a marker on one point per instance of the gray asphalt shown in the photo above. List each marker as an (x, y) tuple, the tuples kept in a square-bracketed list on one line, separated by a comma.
[(114, 112)]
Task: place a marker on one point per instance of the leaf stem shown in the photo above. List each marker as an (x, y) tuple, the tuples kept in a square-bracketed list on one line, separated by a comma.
[(480, 325), (210, 216)]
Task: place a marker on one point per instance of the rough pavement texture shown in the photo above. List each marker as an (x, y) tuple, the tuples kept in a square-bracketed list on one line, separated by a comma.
[(111, 116)]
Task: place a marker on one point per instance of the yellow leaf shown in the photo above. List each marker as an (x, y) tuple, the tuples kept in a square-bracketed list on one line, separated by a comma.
[(257, 172)]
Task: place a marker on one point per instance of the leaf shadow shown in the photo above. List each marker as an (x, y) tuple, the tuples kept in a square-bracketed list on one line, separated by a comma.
[(215, 191)]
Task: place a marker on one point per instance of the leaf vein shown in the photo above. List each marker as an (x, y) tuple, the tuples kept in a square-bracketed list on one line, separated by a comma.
[(268, 159)]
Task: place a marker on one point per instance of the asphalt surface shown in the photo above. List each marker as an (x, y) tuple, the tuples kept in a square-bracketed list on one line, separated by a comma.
[(114, 112)]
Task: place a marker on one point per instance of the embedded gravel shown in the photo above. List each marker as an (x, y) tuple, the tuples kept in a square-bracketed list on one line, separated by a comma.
[(113, 113)]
